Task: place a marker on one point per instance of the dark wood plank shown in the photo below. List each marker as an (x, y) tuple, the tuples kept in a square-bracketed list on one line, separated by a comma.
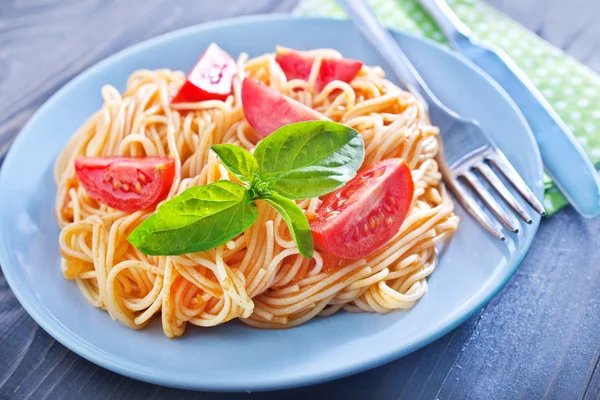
[(66, 37), (540, 337), (569, 24)]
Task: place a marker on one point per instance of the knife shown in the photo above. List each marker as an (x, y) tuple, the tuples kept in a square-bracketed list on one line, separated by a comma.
[(564, 158)]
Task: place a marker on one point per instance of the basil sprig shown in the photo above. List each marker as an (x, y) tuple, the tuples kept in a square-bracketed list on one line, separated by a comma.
[(298, 161)]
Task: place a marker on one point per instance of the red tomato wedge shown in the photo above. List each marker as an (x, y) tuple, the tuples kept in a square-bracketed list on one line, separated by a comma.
[(361, 217), (126, 183), (209, 79), (268, 110), (297, 65)]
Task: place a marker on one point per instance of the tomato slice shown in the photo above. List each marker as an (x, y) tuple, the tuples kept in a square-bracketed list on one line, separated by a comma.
[(361, 217), (297, 65), (268, 110), (126, 183), (209, 79)]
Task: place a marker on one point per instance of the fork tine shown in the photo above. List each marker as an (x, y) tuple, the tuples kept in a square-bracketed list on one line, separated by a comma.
[(497, 184), (500, 161), (469, 203), (507, 219)]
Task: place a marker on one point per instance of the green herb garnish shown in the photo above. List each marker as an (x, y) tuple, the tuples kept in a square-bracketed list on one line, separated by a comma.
[(201, 218), (309, 159), (298, 161)]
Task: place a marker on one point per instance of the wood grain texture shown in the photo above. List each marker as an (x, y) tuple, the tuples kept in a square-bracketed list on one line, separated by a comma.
[(538, 338), (571, 25)]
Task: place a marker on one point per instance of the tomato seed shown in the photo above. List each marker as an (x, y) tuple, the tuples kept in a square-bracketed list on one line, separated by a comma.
[(378, 173), (311, 216), (331, 214)]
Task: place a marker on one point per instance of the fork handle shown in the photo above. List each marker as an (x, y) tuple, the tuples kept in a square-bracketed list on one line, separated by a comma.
[(384, 43)]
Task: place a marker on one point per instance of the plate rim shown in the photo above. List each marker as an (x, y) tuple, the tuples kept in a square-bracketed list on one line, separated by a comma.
[(95, 355)]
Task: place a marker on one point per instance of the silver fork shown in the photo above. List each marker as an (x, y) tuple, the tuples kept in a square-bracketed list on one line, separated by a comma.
[(470, 156)]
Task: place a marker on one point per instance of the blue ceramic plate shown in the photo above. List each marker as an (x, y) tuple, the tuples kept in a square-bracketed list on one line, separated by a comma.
[(234, 356)]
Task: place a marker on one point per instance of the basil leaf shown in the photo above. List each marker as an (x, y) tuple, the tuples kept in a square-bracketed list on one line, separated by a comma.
[(238, 161), (309, 159), (199, 219), (295, 220)]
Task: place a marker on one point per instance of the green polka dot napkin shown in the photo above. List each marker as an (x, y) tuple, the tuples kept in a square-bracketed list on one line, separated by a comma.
[(572, 88)]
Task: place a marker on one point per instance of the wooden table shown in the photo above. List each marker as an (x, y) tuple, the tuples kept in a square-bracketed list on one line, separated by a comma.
[(539, 337)]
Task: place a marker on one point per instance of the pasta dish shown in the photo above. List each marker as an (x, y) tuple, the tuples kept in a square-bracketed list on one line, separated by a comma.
[(271, 190)]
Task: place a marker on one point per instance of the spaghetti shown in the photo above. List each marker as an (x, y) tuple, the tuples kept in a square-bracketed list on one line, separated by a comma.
[(259, 277)]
